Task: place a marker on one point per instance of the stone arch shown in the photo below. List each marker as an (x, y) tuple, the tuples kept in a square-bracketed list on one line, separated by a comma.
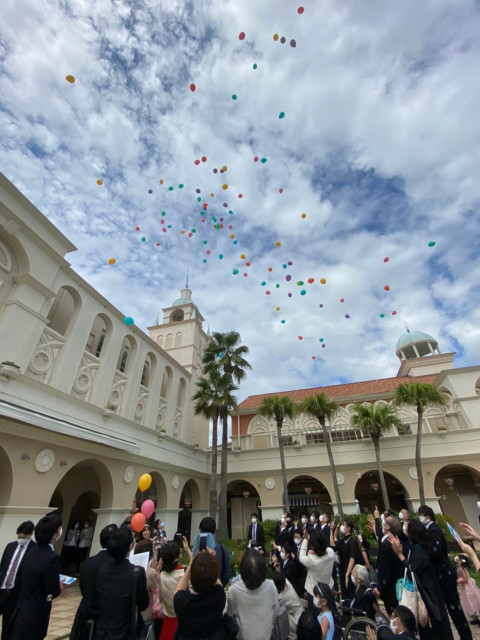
[(457, 487), (149, 369), (168, 341), (477, 387), (181, 392), (160, 340), (167, 381), (177, 316), (368, 493), (99, 336), (6, 479), (126, 357), (261, 433), (178, 339), (190, 491), (64, 310), (9, 269), (435, 419), (243, 499), (307, 493)]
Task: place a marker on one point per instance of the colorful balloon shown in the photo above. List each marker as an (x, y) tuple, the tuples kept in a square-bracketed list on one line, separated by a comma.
[(431, 244), (192, 87), (144, 482), (386, 287), (300, 337), (111, 261), (147, 508), (138, 522), (234, 96), (241, 35), (281, 115), (128, 321), (70, 79), (300, 10), (323, 281), (293, 43), (99, 182), (386, 259)]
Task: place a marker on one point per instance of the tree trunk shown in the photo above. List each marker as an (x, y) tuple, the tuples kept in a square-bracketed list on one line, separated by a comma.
[(286, 501), (222, 529), (418, 456), (376, 444), (213, 477), (332, 467)]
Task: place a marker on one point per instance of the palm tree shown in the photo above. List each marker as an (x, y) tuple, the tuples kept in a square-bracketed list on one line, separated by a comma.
[(279, 408), (421, 396), (374, 421), (213, 395), (321, 407), (225, 353)]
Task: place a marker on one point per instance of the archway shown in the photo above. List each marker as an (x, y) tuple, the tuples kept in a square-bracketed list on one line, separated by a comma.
[(6, 479), (368, 494), (457, 487), (85, 487), (242, 501), (307, 494), (189, 499)]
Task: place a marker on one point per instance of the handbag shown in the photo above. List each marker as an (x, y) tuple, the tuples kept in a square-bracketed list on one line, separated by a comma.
[(157, 609), (423, 618), (404, 583)]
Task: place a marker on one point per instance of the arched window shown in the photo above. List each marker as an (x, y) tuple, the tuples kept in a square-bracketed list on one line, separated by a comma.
[(168, 341), (160, 341), (126, 355), (181, 393), (177, 315), (62, 310), (148, 370), (97, 335), (166, 382), (178, 339)]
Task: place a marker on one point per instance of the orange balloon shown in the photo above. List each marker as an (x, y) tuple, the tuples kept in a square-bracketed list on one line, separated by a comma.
[(111, 261), (138, 522), (386, 287), (323, 281), (70, 79), (99, 182)]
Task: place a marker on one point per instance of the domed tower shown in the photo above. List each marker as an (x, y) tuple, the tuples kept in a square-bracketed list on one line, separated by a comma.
[(420, 355)]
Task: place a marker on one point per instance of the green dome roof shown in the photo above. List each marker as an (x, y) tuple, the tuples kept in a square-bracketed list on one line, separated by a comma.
[(414, 336), (181, 301)]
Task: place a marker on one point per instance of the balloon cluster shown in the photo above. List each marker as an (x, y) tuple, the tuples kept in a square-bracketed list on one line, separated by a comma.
[(148, 507)]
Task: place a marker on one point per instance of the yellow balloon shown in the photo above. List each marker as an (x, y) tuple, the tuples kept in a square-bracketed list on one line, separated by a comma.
[(70, 79), (99, 182), (111, 261), (144, 482)]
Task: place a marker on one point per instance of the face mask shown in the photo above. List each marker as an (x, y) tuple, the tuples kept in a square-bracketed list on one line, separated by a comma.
[(282, 520), (312, 518), (402, 516), (422, 519), (382, 518), (254, 520), (22, 541), (59, 534), (317, 603), (405, 528), (352, 578), (392, 626), (304, 520), (282, 555), (342, 529), (298, 541)]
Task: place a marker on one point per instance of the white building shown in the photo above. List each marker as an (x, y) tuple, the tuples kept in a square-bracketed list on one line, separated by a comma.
[(90, 404)]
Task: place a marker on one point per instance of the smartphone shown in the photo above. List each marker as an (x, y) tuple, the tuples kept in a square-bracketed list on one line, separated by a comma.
[(178, 537), (202, 545)]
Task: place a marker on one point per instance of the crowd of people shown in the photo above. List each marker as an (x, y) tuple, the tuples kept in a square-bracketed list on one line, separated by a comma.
[(318, 569)]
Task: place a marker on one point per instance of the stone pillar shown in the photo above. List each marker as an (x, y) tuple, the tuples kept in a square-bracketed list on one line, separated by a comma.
[(11, 517), (105, 517)]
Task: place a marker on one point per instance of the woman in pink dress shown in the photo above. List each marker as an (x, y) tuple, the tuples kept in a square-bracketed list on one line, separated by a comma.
[(469, 592)]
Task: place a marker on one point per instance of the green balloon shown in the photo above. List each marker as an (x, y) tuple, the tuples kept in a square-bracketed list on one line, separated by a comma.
[(234, 96)]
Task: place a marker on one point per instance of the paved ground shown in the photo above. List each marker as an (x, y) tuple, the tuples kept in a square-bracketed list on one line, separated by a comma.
[(64, 608)]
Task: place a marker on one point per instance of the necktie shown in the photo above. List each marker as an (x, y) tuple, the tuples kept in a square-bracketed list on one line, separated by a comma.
[(254, 534), (9, 582)]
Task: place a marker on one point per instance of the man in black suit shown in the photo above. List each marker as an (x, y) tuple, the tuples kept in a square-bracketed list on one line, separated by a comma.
[(325, 528), (117, 582), (291, 566), (255, 534), (40, 583), (86, 612), (314, 523), (389, 567), (11, 569), (447, 575)]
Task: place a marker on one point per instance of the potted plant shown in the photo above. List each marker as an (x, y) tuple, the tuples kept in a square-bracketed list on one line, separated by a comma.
[(9, 370)]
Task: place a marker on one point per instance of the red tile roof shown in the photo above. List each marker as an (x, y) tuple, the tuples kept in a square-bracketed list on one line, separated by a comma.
[(339, 391)]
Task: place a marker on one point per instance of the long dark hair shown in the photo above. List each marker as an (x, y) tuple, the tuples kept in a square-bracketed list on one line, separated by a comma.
[(170, 556), (417, 534), (322, 590)]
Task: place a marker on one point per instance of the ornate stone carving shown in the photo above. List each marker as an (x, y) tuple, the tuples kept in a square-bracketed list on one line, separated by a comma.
[(142, 401), (44, 460), (162, 407), (83, 385), (128, 474), (118, 387), (43, 359)]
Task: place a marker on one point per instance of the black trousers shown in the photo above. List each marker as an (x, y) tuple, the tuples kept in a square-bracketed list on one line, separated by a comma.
[(8, 604)]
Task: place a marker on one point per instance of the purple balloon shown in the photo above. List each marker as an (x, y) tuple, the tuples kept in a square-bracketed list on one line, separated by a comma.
[(289, 295), (288, 277), (323, 346), (347, 315), (321, 306), (290, 263)]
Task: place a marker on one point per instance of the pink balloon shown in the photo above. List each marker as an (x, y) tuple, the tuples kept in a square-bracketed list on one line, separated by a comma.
[(147, 508)]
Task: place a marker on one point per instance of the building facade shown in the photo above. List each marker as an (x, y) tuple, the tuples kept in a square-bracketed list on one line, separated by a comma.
[(89, 403)]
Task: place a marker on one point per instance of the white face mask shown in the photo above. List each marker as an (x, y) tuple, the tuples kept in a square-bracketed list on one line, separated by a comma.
[(23, 541), (312, 518), (392, 626), (317, 603), (298, 541), (282, 520), (402, 516), (59, 533), (405, 527), (382, 518), (342, 529), (422, 519), (282, 555), (304, 520), (352, 578), (254, 520)]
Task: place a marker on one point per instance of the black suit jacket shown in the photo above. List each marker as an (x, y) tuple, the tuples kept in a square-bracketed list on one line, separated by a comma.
[(7, 558), (116, 611), (40, 584), (439, 556), (389, 569), (88, 581), (325, 531), (260, 535), (296, 574)]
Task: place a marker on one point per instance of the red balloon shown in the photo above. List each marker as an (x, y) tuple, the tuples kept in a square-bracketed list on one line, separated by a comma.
[(342, 299), (241, 36), (204, 158), (138, 522), (300, 337), (147, 508), (386, 259), (386, 287), (300, 10), (192, 87), (394, 313)]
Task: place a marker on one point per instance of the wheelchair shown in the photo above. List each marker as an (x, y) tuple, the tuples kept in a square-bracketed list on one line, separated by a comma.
[(354, 622)]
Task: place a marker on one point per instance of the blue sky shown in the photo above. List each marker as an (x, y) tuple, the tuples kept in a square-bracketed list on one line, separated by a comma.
[(378, 147)]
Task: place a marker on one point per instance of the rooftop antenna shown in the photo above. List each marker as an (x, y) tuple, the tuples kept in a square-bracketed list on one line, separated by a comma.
[(186, 284)]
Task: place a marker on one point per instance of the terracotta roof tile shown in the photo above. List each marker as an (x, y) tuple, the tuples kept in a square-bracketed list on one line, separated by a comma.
[(339, 391)]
